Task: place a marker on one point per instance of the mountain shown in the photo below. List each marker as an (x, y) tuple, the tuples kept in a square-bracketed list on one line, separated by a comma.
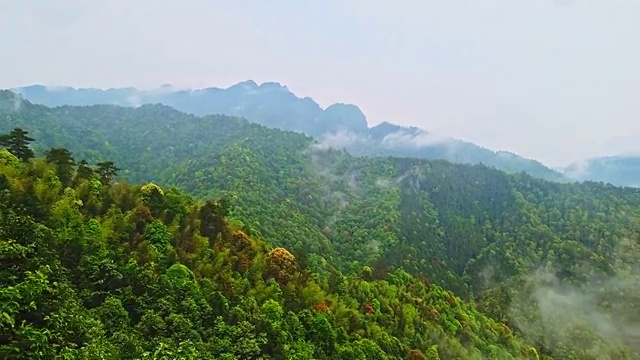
[(616, 170), (556, 264), (273, 105)]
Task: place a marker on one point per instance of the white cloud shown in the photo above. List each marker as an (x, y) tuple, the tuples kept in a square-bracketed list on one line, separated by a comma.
[(417, 139), (339, 140)]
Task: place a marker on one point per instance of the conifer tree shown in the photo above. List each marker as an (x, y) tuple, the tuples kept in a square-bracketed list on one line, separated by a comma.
[(17, 142)]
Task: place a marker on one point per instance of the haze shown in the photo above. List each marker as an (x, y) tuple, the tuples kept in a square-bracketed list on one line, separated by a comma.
[(552, 80)]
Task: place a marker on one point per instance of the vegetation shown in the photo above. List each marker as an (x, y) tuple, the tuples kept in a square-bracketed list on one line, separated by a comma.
[(370, 249), (274, 106), (101, 270)]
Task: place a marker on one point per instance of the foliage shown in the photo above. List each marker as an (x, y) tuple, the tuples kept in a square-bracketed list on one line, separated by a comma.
[(17, 142), (83, 281)]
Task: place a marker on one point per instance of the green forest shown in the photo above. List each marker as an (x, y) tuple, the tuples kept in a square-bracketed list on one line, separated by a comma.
[(147, 233)]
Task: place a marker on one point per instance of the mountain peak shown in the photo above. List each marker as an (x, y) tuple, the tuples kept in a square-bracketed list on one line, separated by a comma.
[(251, 86), (272, 85), (341, 116), (247, 84)]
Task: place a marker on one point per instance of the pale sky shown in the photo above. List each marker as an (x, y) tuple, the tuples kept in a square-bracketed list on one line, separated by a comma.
[(554, 80)]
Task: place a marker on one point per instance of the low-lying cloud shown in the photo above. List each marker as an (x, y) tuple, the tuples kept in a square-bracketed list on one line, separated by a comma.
[(12, 104), (416, 139), (339, 140)]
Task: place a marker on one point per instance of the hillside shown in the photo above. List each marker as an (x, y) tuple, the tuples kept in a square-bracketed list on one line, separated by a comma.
[(557, 263), (617, 170), (95, 269), (273, 105)]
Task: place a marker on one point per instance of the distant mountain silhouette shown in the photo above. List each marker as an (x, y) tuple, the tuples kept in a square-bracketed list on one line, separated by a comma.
[(621, 170), (273, 105)]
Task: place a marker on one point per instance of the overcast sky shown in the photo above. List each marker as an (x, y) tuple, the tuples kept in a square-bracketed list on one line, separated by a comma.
[(555, 80)]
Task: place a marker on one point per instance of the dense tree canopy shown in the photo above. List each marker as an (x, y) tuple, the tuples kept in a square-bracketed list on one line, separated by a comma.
[(107, 270)]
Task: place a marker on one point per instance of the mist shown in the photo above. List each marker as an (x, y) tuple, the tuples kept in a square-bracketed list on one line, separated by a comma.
[(593, 317), (415, 139)]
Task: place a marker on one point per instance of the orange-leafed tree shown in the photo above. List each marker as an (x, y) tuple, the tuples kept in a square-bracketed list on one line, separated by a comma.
[(281, 265)]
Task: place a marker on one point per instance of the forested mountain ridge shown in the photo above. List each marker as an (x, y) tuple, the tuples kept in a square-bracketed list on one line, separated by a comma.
[(92, 268), (273, 105), (513, 244)]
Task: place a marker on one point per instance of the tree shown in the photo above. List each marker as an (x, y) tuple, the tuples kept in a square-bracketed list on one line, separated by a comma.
[(84, 171), (106, 171), (64, 162), (17, 142), (281, 265)]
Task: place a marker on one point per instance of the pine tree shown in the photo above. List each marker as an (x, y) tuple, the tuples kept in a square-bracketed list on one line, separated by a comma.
[(106, 171), (64, 162), (84, 171), (17, 142)]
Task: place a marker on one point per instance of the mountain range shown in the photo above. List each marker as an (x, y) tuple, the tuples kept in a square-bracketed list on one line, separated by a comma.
[(274, 105)]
